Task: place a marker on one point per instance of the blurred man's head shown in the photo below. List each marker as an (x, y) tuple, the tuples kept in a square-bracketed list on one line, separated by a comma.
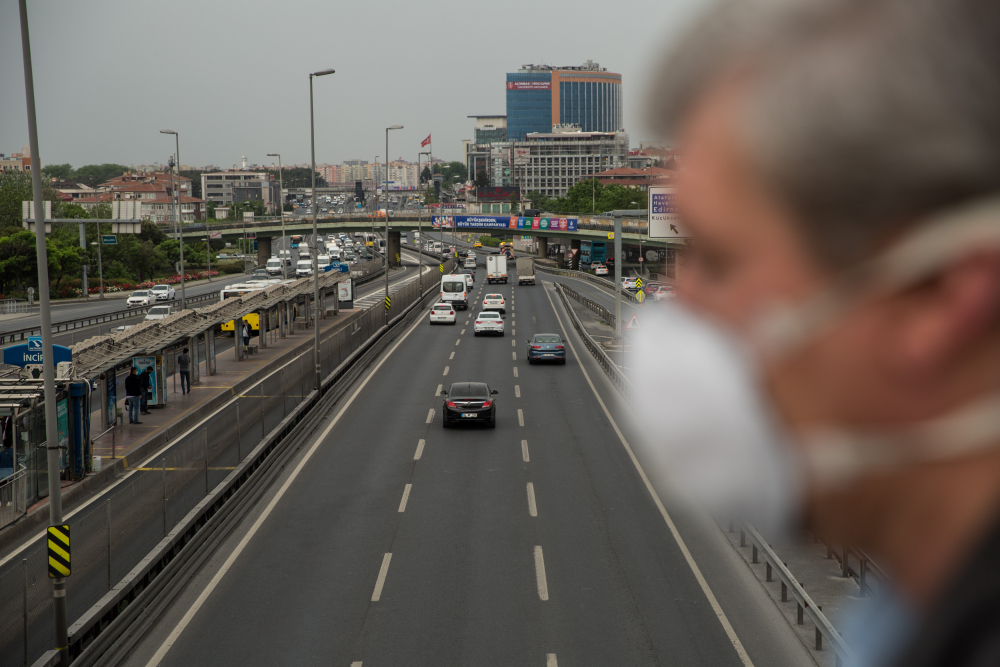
[(813, 136)]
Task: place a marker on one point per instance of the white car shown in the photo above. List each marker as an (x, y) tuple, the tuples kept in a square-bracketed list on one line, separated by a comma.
[(494, 302), (629, 283), (600, 270), (163, 292), (159, 313), (489, 323), (140, 299), (442, 313)]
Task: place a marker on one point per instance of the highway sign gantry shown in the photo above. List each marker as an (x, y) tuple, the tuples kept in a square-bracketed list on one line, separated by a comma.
[(59, 553)]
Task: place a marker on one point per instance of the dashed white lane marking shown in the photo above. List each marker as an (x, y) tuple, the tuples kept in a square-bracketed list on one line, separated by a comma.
[(532, 507), (383, 571), (438, 392), (420, 450), (702, 582), (512, 332), (458, 341), (515, 371), (358, 663), (517, 390), (462, 333), (406, 496), (513, 342), (524, 450), (543, 584), (550, 660), (430, 416), (446, 369), (452, 356), (520, 417), (514, 355)]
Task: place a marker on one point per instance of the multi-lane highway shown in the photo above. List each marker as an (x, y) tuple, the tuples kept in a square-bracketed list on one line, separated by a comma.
[(392, 541)]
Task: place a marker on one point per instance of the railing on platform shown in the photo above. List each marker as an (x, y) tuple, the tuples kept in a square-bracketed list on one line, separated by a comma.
[(13, 496), (13, 306)]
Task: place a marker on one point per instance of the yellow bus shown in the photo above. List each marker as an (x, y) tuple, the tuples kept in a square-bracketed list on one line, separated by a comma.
[(242, 289)]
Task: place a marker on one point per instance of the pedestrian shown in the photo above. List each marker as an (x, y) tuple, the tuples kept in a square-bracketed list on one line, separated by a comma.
[(246, 337), (133, 391), (184, 368), (145, 382), (831, 362)]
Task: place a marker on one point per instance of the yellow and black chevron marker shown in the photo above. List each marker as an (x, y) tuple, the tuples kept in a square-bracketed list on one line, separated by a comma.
[(59, 551), (638, 283), (388, 302), (441, 267)]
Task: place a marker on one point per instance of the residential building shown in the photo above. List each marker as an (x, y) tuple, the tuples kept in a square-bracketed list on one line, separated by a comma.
[(553, 162), (231, 186), (72, 191), (19, 162), (157, 206), (636, 178), (490, 130), (540, 97), (134, 182)]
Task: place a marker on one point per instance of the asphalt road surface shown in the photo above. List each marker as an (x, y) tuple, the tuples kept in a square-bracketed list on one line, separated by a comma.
[(391, 541)]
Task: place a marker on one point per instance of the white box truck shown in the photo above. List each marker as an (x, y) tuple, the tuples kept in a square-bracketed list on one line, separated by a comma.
[(496, 269), (525, 271)]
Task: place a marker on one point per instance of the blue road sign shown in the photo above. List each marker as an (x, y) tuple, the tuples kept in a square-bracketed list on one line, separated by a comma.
[(32, 352)]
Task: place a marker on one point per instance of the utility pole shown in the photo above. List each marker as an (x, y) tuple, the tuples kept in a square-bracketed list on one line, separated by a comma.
[(281, 204), (48, 367), (315, 253)]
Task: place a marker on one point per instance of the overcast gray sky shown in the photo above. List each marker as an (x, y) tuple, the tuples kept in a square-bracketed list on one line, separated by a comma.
[(231, 76)]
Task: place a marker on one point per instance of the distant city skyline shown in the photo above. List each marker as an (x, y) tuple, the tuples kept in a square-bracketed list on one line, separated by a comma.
[(109, 75)]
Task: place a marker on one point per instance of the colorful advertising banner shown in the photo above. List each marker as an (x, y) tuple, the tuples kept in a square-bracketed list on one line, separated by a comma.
[(504, 222), (529, 85)]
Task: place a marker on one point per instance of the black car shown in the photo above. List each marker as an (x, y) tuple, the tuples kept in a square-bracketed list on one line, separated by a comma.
[(469, 402), (546, 347)]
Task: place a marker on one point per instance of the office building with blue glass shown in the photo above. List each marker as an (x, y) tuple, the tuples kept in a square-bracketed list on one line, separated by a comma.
[(540, 97)]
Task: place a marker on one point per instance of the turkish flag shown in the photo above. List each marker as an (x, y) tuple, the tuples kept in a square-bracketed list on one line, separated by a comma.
[(425, 141)]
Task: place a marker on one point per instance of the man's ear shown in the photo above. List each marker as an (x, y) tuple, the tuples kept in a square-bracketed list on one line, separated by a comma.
[(946, 318)]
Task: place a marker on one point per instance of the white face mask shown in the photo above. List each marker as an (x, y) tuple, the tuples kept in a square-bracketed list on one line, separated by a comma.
[(711, 434)]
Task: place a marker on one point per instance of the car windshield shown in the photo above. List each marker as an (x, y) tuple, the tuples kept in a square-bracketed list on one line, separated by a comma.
[(489, 316), (453, 286), (160, 288), (469, 390), (442, 306), (159, 310), (140, 293), (546, 338), (494, 296)]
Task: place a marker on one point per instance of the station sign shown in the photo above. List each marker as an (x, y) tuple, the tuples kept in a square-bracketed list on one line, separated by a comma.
[(33, 351)]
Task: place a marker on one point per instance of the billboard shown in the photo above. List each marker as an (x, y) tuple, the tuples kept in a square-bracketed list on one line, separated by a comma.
[(505, 222), (664, 222), (529, 85), (497, 194), (521, 156)]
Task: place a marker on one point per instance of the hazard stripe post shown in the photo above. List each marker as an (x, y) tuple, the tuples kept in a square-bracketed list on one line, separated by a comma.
[(59, 551)]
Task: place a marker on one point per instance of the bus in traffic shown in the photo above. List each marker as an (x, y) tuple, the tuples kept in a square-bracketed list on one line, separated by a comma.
[(296, 240), (242, 289)]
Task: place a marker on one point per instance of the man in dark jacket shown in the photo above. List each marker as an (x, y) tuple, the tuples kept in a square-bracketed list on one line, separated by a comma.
[(146, 383), (133, 393), (841, 184)]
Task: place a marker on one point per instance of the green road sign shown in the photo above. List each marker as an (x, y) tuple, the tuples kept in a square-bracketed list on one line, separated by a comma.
[(109, 239)]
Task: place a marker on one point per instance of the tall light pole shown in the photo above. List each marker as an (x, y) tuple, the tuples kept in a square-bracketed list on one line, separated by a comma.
[(420, 220), (374, 212), (48, 366), (315, 254), (391, 127), (177, 208), (281, 204)]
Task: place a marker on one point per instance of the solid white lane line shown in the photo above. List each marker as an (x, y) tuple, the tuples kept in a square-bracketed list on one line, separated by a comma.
[(446, 368), (517, 390), (515, 371), (406, 496), (532, 508), (438, 392), (702, 582), (514, 355), (520, 417), (226, 566), (550, 660), (380, 582), (524, 450), (430, 416), (420, 450), (452, 356), (543, 584)]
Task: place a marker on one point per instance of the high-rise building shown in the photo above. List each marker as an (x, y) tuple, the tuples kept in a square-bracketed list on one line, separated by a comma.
[(540, 97)]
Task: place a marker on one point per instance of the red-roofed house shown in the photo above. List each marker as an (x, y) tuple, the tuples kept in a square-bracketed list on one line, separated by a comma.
[(636, 178)]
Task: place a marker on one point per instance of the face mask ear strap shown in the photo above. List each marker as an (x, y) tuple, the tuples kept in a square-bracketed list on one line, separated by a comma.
[(941, 240)]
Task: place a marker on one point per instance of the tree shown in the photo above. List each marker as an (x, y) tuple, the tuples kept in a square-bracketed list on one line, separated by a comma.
[(482, 179), (210, 208), (297, 177), (514, 204), (429, 196), (425, 175), (18, 266), (15, 187), (95, 174), (60, 172)]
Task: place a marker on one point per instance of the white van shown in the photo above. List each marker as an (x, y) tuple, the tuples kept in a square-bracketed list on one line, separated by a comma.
[(274, 267), (455, 290), (304, 268)]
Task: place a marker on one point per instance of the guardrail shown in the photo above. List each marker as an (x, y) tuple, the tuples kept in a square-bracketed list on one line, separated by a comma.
[(13, 496), (13, 306), (591, 305), (8, 337), (806, 606), (589, 277)]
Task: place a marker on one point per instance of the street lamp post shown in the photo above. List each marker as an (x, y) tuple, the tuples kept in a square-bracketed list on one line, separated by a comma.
[(177, 208), (315, 254), (281, 204), (391, 127), (420, 219)]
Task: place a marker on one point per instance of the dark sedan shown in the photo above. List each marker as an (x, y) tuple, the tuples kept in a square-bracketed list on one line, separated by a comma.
[(470, 402), (546, 347)]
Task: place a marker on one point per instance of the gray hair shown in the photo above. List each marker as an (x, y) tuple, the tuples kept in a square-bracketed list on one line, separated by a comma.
[(863, 115)]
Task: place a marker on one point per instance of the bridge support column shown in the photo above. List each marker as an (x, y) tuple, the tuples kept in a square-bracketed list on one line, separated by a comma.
[(263, 250), (574, 244), (392, 248), (543, 247), (262, 328)]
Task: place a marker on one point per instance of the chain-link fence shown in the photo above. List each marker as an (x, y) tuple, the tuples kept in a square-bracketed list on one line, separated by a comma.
[(111, 537)]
